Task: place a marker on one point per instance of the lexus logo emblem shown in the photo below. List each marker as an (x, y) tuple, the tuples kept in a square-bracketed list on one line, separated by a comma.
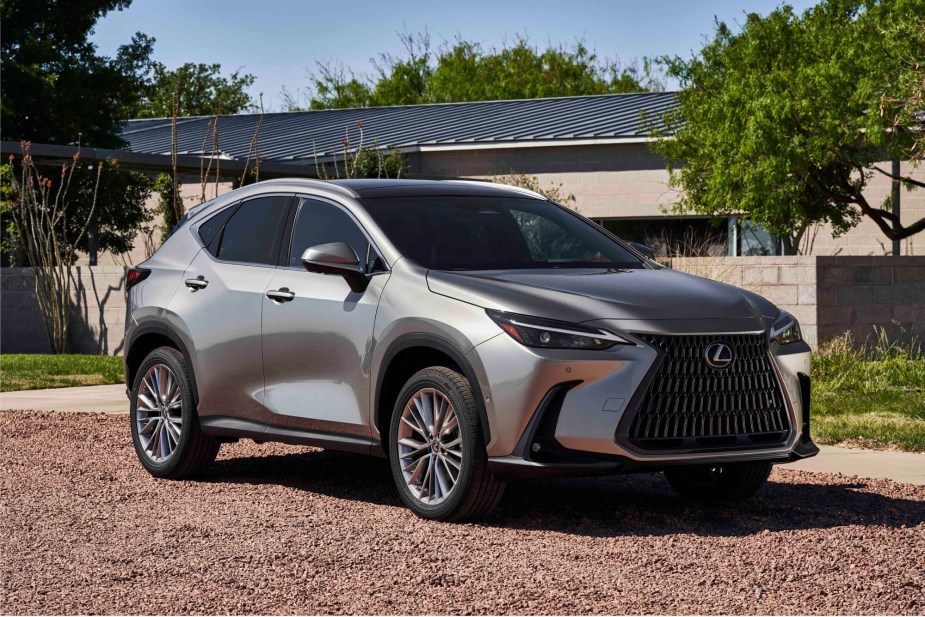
[(719, 355)]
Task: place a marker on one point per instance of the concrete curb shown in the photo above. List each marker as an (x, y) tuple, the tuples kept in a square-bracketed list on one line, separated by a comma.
[(106, 399)]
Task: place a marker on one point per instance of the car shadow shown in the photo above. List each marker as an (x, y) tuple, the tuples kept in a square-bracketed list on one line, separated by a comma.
[(637, 504)]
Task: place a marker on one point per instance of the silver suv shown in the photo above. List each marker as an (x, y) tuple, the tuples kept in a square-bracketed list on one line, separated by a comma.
[(468, 332)]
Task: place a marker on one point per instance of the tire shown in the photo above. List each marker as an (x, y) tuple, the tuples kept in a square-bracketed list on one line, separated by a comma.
[(460, 449), (192, 451), (735, 482)]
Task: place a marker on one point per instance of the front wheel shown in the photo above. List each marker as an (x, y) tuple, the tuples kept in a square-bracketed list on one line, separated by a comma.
[(734, 482), (165, 427), (436, 449)]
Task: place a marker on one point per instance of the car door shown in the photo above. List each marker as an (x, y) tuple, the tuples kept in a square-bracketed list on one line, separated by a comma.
[(218, 308), (317, 339)]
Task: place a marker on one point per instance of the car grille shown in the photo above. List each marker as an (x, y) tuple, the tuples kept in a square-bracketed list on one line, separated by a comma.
[(690, 405)]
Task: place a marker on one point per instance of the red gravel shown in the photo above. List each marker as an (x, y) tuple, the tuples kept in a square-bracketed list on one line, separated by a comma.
[(283, 529)]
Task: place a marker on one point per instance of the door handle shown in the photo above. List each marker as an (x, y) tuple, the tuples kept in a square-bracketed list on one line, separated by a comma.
[(196, 283), (281, 295)]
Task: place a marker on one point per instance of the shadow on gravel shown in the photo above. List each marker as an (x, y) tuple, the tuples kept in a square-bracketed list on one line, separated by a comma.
[(641, 504)]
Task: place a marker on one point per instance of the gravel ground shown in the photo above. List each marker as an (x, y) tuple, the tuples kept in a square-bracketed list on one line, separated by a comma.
[(283, 529)]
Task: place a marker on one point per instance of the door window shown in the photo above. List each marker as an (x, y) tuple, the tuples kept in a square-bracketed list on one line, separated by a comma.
[(319, 222), (250, 234)]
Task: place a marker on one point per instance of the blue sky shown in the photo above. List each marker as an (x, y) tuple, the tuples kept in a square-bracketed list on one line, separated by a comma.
[(279, 41)]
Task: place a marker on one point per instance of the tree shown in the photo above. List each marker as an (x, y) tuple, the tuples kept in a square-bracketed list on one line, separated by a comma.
[(54, 85), (39, 210), (787, 120), (198, 89), (465, 71)]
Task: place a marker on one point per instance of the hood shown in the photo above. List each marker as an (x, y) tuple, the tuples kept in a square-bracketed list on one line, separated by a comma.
[(587, 294)]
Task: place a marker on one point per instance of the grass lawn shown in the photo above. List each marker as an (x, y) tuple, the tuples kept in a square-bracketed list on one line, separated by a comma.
[(36, 371), (873, 397)]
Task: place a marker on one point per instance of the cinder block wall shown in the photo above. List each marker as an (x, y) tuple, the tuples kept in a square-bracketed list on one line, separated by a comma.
[(857, 293), (788, 282), (831, 295), (97, 311)]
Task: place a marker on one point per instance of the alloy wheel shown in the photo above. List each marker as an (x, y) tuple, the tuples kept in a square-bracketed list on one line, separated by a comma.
[(159, 413), (430, 446)]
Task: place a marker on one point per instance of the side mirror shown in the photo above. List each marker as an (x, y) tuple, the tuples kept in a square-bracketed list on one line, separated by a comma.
[(339, 259), (642, 248)]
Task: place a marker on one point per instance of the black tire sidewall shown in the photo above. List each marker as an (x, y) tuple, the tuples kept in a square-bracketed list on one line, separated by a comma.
[(429, 378), (176, 363)]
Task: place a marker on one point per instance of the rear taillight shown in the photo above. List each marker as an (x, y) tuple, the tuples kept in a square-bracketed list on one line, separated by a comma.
[(135, 276)]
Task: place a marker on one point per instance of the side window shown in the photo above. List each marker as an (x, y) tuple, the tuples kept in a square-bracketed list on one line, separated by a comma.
[(209, 228), (250, 234), (318, 222)]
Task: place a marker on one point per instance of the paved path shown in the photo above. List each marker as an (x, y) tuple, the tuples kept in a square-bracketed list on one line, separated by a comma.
[(108, 399), (898, 466)]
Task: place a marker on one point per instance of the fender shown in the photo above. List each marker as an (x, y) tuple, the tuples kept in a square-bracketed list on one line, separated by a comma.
[(445, 346), (161, 328)]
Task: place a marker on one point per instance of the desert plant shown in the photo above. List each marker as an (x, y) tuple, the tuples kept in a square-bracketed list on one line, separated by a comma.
[(373, 161), (39, 211)]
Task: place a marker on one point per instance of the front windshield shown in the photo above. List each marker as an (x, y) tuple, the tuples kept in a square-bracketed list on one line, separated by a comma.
[(490, 233)]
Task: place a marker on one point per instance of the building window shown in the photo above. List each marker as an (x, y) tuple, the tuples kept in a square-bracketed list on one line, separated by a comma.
[(748, 239)]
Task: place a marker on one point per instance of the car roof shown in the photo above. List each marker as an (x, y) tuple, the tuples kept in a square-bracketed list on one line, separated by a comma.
[(369, 188)]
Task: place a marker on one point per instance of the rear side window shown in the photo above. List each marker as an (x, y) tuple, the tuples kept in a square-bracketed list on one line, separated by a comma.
[(211, 227), (250, 234)]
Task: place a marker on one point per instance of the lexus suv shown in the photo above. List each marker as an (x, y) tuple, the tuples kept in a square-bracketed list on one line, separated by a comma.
[(468, 332)]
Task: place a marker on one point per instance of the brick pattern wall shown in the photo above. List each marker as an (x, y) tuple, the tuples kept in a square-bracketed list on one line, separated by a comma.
[(97, 311)]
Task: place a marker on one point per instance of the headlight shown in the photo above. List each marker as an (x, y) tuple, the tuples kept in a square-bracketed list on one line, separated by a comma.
[(549, 334), (786, 329)]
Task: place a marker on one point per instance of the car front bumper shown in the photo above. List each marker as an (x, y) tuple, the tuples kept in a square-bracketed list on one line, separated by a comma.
[(593, 392)]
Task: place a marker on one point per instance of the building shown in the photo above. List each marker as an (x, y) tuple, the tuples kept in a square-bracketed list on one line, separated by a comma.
[(595, 147)]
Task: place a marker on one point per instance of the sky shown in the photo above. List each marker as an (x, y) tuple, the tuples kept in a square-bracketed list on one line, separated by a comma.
[(279, 41)]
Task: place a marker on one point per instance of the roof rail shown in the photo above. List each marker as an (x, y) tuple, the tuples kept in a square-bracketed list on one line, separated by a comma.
[(518, 189), (327, 184)]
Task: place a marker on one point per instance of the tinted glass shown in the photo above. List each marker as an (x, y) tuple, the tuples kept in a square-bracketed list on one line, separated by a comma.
[(208, 229), (486, 233), (250, 234), (318, 222)]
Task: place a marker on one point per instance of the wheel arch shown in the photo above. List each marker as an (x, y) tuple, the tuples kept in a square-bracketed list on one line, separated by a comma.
[(405, 356), (145, 339)]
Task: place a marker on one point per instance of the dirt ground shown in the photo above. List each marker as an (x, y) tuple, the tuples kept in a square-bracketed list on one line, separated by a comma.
[(284, 529)]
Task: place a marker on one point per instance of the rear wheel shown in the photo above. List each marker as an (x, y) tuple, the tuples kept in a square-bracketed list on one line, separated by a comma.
[(165, 427), (436, 449), (733, 482)]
